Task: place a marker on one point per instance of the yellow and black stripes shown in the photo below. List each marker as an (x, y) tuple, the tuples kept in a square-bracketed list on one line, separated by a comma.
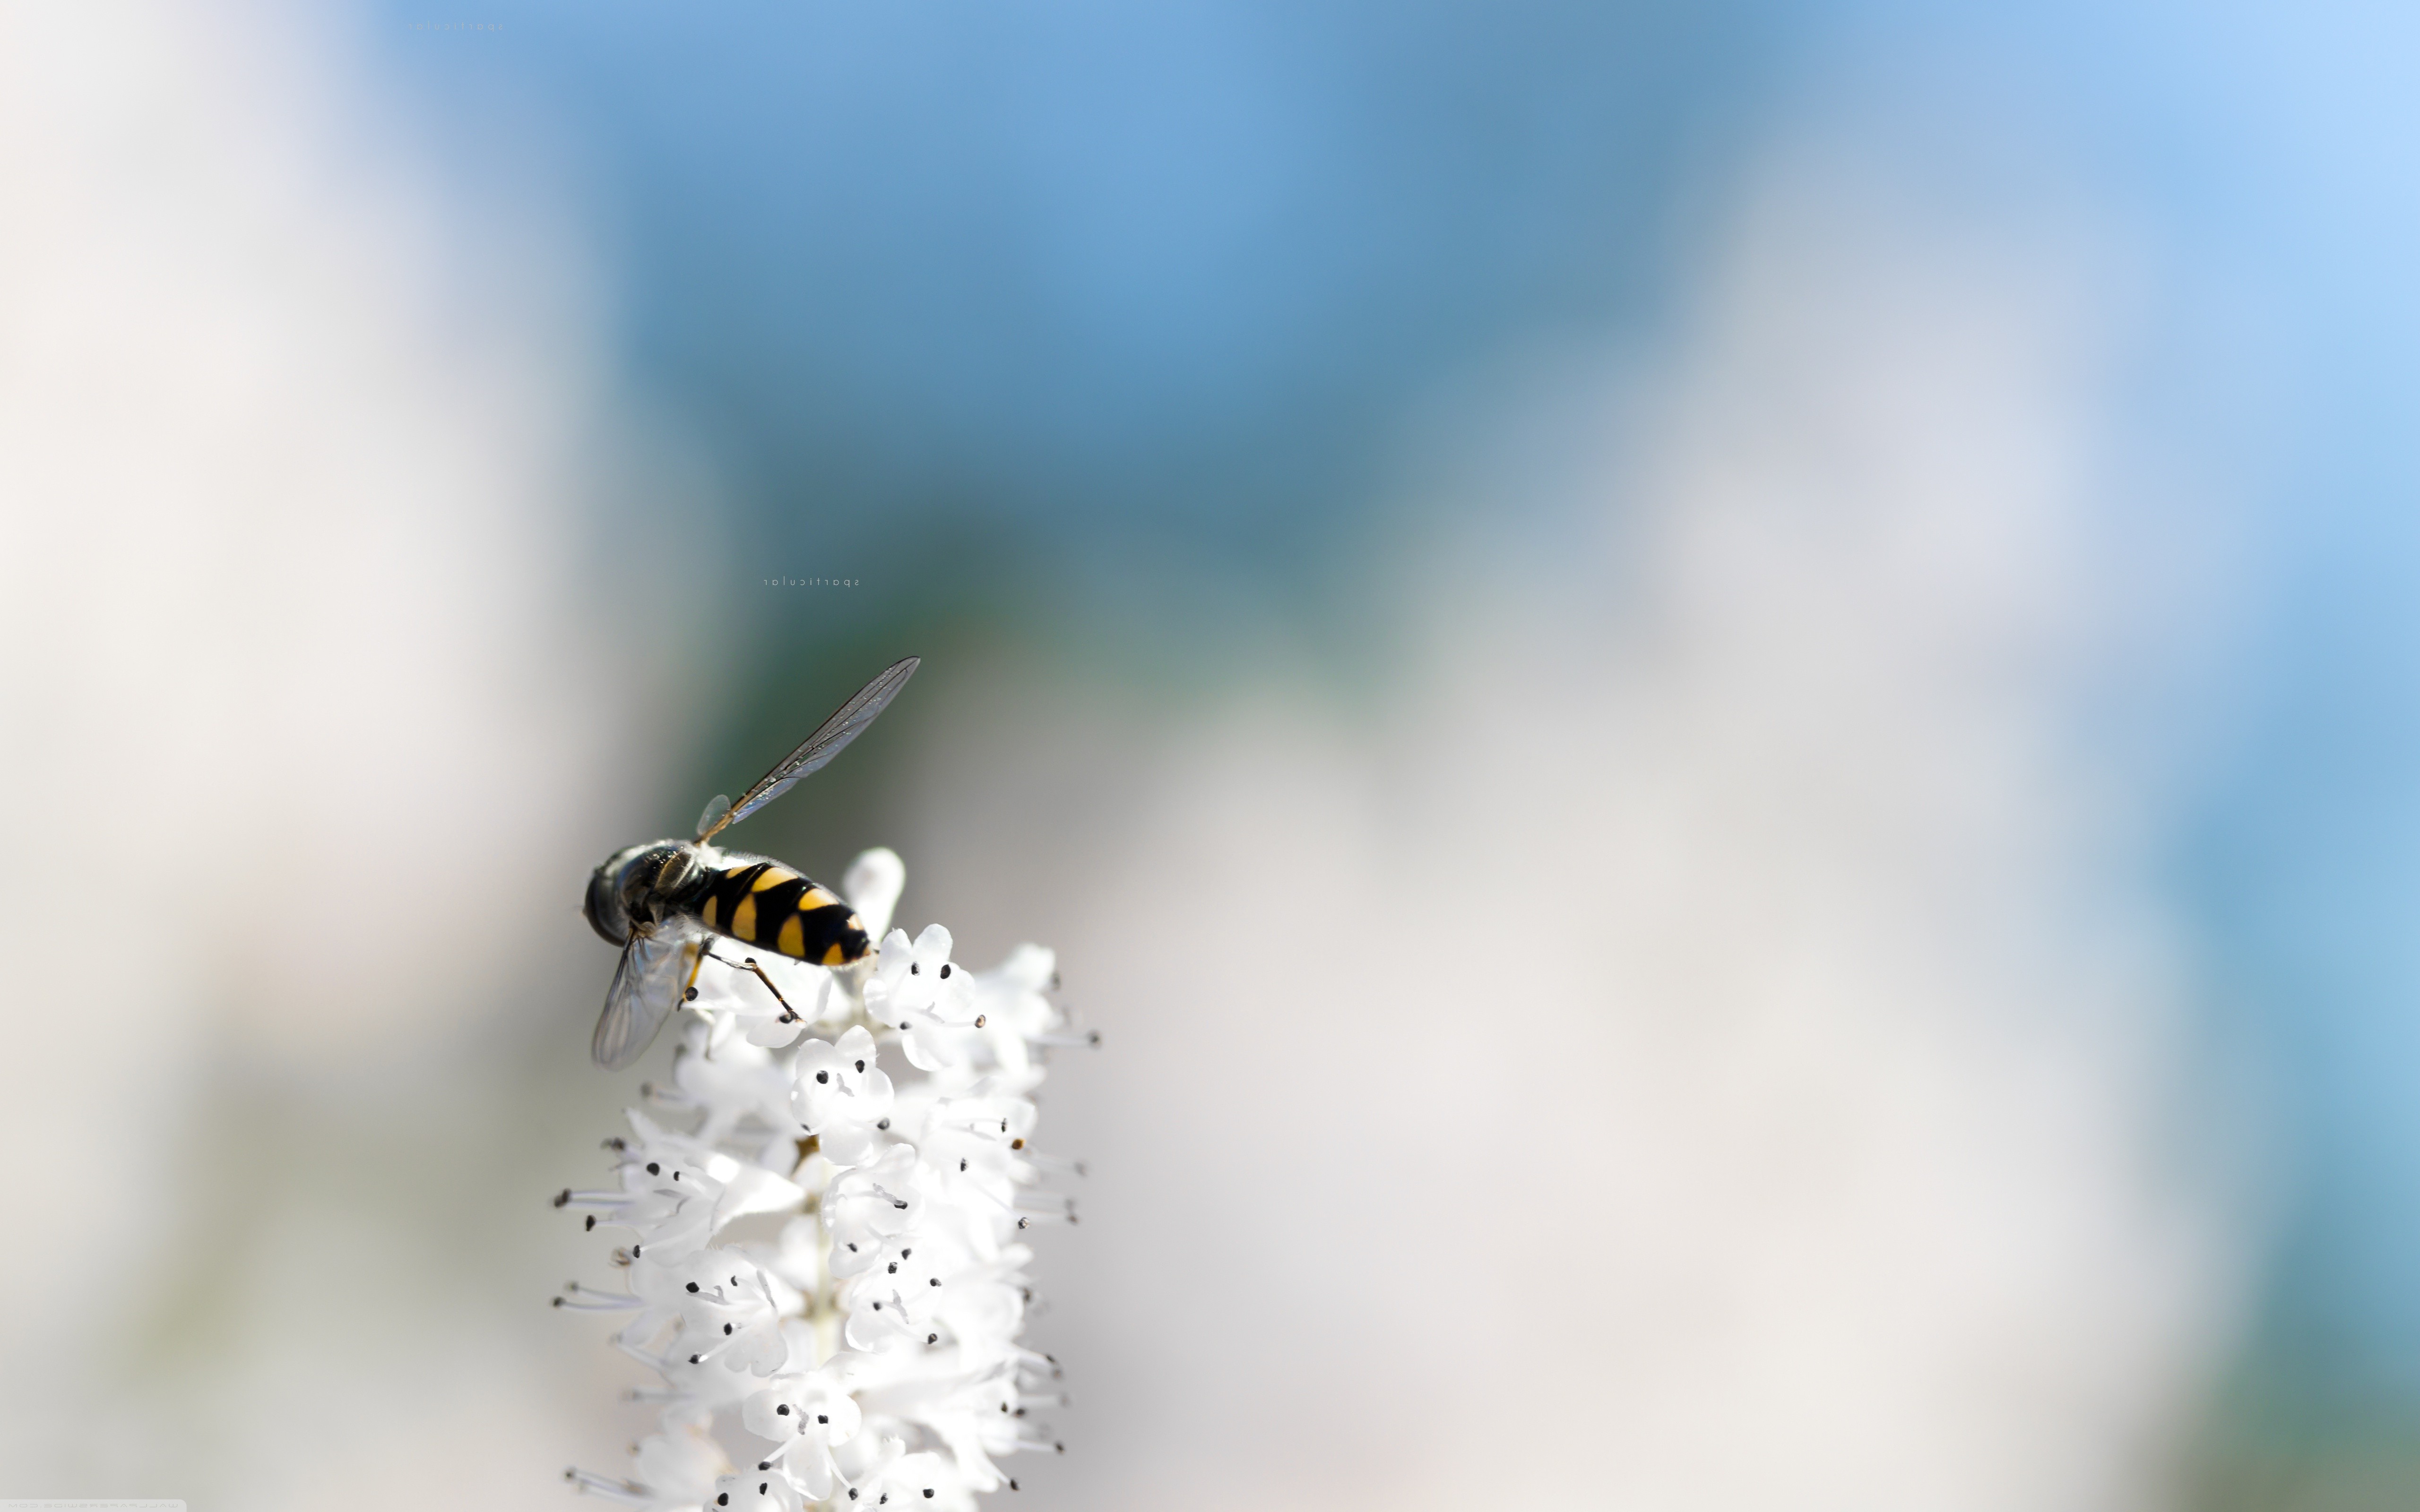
[(766, 904)]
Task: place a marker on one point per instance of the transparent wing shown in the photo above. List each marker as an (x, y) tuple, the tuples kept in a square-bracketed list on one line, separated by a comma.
[(647, 986), (847, 722)]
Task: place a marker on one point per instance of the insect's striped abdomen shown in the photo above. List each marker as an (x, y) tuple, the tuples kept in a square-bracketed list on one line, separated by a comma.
[(766, 904)]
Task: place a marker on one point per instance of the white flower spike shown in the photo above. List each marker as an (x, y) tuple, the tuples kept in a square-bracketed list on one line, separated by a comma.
[(867, 1355)]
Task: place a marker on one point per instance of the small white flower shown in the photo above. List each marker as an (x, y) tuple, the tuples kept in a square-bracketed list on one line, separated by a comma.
[(737, 1082), (756, 1492), (869, 1351), (920, 1480), (676, 1469), (806, 1416), (841, 1096), (928, 999), (865, 1206), (872, 885), (1015, 1014)]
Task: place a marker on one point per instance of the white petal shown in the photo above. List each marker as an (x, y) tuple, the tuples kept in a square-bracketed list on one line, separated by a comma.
[(873, 884)]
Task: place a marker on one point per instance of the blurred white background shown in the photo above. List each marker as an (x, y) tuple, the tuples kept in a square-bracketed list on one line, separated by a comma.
[(1712, 1048)]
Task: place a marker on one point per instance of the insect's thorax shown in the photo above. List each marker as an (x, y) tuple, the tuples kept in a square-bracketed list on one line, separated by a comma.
[(761, 903)]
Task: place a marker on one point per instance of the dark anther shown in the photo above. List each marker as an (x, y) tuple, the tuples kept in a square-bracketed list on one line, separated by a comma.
[(654, 1168), (911, 968), (1016, 1143), (877, 1306), (634, 1251), (928, 1490), (860, 1065), (1014, 1487), (821, 1418), (592, 1223), (676, 1176), (747, 960), (932, 1338), (945, 976), (823, 1077), (899, 1202), (724, 1500), (905, 1253), (783, 1411), (563, 1196), (764, 1464), (689, 996), (558, 1301), (981, 1019), (693, 1360), (894, 1269), (962, 1165), (726, 1328), (884, 1125), (852, 1493), (1057, 1448), (936, 1280), (763, 1486), (693, 1285)]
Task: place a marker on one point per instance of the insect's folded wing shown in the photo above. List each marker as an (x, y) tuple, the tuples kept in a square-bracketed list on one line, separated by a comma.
[(647, 986)]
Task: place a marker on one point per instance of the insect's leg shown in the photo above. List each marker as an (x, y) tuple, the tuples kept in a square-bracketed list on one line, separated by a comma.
[(789, 1015)]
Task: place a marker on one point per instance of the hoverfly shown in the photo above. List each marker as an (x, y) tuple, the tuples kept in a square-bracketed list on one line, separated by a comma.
[(662, 902)]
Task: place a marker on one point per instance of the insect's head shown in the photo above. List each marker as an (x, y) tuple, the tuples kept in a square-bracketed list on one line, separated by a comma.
[(623, 891)]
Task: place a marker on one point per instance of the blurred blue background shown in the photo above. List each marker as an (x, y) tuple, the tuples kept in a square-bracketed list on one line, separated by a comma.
[(955, 295), (1038, 302), (1141, 348)]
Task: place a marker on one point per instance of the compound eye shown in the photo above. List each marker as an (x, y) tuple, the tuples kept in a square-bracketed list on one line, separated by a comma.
[(604, 910)]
